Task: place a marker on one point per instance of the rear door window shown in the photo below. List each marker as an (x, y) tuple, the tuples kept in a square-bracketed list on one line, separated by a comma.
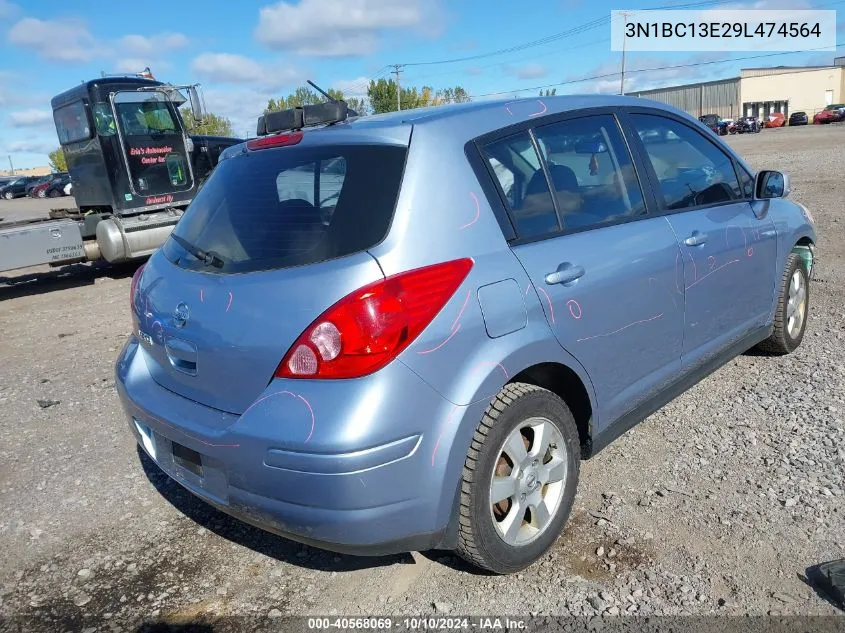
[(592, 172), (516, 166), (292, 206)]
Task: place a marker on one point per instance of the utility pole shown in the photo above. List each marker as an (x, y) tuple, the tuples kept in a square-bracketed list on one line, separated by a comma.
[(11, 165), (397, 68), (624, 28)]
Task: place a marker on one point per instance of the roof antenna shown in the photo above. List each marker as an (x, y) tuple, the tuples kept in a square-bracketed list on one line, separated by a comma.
[(327, 96)]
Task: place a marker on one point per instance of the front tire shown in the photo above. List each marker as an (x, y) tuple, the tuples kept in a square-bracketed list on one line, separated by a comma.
[(8, 195), (519, 479), (792, 309)]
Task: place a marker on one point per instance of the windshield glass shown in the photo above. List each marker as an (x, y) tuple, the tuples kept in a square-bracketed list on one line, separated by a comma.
[(276, 208), (145, 118)]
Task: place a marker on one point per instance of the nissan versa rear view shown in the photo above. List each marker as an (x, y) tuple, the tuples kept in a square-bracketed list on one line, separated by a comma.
[(405, 331)]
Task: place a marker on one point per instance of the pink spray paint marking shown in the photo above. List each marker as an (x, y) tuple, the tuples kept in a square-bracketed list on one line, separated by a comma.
[(656, 316), (694, 269), (551, 307), (489, 365), (202, 297), (572, 304), (463, 307), (229, 305), (446, 340), (750, 251), (454, 329), (711, 262), (715, 270), (527, 288), (543, 111), (477, 212), (447, 423), (292, 395)]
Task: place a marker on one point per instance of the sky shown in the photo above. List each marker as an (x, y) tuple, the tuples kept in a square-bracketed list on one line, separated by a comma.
[(243, 53)]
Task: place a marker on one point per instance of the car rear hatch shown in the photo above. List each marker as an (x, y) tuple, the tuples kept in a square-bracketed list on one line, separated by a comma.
[(274, 238)]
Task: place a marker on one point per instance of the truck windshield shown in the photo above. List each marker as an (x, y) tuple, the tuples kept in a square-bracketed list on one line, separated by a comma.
[(146, 118)]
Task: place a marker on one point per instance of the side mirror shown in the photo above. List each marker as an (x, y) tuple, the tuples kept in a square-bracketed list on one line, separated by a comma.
[(771, 184), (196, 104)]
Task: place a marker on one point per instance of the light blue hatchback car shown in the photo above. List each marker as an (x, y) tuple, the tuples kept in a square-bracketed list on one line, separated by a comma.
[(404, 332)]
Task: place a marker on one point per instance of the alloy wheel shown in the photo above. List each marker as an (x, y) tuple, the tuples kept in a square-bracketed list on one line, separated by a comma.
[(527, 485)]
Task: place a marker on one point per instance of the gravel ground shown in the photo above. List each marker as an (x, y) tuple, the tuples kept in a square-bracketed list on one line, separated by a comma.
[(715, 505)]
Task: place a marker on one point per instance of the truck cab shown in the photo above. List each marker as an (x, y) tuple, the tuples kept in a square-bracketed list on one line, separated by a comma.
[(133, 167)]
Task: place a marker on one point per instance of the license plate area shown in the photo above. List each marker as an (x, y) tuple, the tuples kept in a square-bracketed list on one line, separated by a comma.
[(187, 458)]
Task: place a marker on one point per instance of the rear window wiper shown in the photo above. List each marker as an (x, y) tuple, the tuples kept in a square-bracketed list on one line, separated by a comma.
[(205, 257)]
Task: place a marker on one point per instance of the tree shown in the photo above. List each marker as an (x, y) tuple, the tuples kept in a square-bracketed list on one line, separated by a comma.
[(548, 93), (306, 96), (382, 95), (211, 125), (57, 160)]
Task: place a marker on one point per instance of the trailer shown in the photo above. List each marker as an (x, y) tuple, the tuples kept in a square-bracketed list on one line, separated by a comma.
[(133, 167)]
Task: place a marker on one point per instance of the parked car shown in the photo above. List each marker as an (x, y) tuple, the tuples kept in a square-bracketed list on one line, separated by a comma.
[(745, 125), (14, 188), (831, 114), (42, 190), (798, 118), (711, 121), (494, 298), (775, 119), (37, 182), (56, 187)]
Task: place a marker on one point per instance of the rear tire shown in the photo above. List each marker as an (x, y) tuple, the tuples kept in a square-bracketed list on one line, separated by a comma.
[(42, 194), (792, 309), (8, 195), (54, 194), (525, 456)]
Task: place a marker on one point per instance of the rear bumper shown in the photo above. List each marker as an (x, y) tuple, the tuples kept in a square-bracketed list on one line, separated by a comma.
[(343, 476)]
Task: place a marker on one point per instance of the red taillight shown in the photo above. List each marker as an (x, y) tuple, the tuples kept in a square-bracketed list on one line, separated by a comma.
[(134, 285), (370, 327), (277, 140)]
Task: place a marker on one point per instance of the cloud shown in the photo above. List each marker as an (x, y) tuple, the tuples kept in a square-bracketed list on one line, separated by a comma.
[(528, 71), (30, 146), (66, 40), (141, 45), (242, 106), (352, 87), (30, 118), (228, 68), (8, 9), (237, 69), (134, 64), (474, 70), (69, 40), (339, 28)]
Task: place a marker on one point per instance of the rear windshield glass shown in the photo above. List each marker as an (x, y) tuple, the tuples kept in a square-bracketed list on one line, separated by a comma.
[(291, 206)]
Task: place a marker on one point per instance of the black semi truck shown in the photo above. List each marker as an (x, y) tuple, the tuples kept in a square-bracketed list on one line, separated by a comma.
[(134, 169)]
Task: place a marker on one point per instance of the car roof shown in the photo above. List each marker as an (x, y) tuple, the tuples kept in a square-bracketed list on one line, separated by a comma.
[(465, 121)]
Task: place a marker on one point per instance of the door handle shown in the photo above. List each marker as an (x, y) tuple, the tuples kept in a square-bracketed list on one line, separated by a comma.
[(771, 233), (696, 239), (566, 273)]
